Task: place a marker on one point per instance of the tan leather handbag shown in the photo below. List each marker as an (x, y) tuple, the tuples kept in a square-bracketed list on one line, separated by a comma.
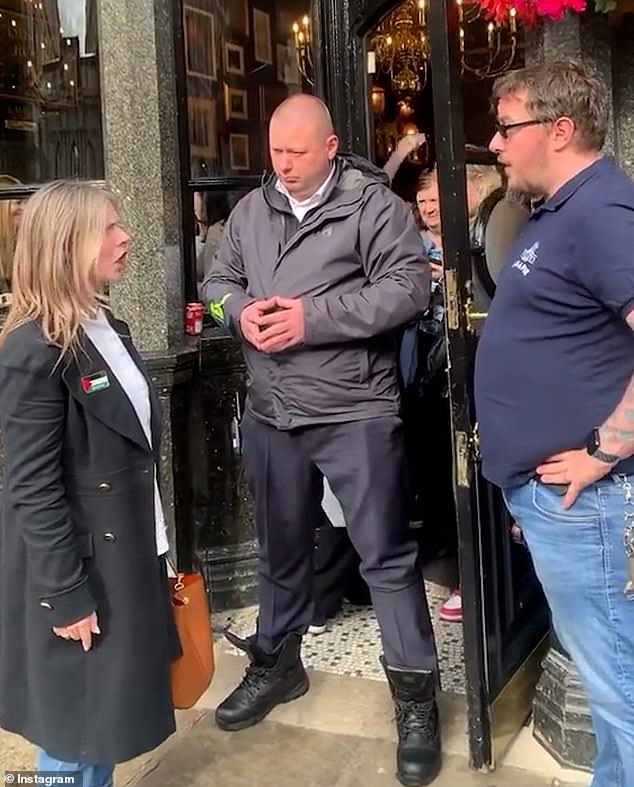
[(193, 670)]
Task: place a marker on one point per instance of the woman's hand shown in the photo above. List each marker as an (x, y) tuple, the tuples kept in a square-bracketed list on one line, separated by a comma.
[(409, 143), (82, 630)]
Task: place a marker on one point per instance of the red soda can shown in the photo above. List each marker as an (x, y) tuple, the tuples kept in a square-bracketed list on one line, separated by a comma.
[(194, 319)]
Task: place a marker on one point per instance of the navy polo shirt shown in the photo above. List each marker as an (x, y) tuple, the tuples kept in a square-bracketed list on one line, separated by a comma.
[(556, 354)]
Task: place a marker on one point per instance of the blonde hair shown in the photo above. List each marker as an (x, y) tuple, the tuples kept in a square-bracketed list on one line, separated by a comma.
[(58, 245), (7, 230), (486, 179)]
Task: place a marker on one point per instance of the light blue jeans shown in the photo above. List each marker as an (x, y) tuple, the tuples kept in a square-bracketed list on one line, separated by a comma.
[(92, 775), (580, 560)]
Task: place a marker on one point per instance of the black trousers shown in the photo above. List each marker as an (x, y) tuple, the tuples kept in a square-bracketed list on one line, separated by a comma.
[(364, 461), (427, 419), (337, 574)]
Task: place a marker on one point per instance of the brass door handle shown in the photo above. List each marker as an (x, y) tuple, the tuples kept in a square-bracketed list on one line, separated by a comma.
[(474, 318)]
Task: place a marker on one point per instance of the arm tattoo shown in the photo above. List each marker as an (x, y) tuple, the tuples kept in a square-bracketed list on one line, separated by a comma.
[(617, 433)]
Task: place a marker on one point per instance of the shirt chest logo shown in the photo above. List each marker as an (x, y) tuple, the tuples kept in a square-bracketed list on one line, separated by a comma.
[(527, 259)]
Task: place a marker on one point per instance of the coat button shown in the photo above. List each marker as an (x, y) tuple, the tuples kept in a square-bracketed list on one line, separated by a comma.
[(46, 604), (109, 537), (104, 487)]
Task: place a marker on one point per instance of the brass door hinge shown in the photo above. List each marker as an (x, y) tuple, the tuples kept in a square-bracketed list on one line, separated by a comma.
[(452, 300), (467, 453), (462, 459)]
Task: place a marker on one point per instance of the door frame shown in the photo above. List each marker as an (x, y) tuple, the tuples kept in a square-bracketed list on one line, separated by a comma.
[(450, 153), (341, 79)]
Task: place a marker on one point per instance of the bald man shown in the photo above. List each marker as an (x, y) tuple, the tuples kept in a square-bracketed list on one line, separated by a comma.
[(316, 273)]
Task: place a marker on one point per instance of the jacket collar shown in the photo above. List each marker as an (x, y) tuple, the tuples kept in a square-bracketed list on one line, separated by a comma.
[(111, 405), (315, 198), (343, 192)]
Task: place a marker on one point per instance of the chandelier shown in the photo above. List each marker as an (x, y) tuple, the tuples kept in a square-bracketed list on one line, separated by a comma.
[(303, 49), (501, 42), (399, 46)]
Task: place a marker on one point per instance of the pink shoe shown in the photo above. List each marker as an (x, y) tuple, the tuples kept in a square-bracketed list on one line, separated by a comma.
[(451, 610)]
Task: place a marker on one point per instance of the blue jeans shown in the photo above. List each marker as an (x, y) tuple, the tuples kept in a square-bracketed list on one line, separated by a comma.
[(92, 775), (581, 563)]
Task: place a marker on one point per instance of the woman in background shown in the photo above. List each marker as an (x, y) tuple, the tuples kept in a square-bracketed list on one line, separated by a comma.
[(86, 629)]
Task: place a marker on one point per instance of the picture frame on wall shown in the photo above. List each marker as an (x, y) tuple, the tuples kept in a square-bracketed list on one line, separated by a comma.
[(287, 69), (239, 13), (236, 103), (262, 44), (239, 158), (200, 42), (203, 141), (234, 59)]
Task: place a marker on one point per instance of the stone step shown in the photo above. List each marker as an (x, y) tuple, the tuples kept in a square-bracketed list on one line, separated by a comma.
[(339, 704), (343, 705)]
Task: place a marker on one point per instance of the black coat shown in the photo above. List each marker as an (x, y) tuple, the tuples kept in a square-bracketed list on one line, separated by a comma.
[(77, 534)]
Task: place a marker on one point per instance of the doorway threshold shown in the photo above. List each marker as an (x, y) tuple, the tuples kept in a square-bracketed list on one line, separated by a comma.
[(351, 644)]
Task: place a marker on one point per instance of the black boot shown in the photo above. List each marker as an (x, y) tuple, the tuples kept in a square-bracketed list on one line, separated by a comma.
[(268, 681), (418, 754)]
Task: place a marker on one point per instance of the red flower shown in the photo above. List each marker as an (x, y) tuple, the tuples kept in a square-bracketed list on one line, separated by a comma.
[(529, 11), (556, 9), (496, 10)]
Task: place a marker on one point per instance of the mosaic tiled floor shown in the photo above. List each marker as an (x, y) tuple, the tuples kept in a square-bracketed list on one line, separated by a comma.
[(351, 644)]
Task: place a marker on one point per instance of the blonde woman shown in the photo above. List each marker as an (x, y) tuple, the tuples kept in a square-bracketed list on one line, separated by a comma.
[(86, 633), (10, 212)]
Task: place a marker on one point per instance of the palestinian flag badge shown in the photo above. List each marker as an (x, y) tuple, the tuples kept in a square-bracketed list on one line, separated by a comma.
[(95, 382)]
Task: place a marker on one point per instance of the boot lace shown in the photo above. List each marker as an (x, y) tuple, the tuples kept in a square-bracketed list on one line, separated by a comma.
[(253, 678), (417, 716)]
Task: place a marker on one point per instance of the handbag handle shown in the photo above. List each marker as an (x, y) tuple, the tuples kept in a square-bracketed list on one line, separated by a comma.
[(178, 585)]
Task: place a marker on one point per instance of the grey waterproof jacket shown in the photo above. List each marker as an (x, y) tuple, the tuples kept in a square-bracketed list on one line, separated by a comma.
[(357, 262)]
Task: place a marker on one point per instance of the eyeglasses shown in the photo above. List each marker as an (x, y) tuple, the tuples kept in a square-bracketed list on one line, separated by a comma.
[(503, 128)]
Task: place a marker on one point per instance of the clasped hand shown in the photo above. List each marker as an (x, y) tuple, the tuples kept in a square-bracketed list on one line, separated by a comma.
[(274, 324)]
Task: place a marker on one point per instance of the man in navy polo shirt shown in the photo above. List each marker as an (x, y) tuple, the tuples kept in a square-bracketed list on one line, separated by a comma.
[(555, 382)]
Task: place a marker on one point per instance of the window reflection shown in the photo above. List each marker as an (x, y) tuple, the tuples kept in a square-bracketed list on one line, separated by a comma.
[(50, 109), (211, 211), (10, 214), (240, 62)]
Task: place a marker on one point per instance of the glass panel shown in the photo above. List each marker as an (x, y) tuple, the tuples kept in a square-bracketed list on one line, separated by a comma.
[(211, 210), (401, 101), (240, 62), (50, 107)]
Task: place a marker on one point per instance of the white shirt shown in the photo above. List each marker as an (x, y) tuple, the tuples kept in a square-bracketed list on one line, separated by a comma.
[(332, 507), (130, 378), (301, 207)]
